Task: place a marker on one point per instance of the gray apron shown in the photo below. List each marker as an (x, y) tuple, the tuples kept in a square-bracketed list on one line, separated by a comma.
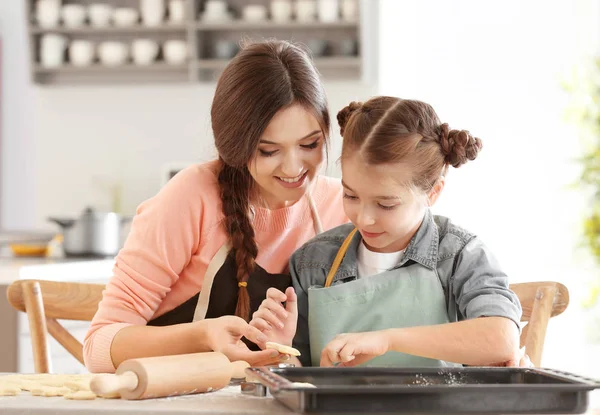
[(403, 297)]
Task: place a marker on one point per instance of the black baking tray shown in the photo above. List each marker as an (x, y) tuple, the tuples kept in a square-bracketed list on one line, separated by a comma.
[(481, 390)]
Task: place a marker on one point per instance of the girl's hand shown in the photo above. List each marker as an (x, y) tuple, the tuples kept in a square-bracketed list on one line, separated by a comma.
[(519, 360), (224, 335), (276, 322), (352, 349)]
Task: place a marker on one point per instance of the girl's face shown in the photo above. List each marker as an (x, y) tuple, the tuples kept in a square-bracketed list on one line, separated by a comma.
[(379, 203), (289, 156)]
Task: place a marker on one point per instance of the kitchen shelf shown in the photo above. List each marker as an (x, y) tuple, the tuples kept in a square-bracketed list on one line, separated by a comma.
[(269, 25), (92, 30), (328, 62), (98, 68), (203, 39)]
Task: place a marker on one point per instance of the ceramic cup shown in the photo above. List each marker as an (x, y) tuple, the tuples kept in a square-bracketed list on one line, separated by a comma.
[(152, 12), (176, 11), (349, 47), (113, 53), (349, 10), (144, 51), (47, 13), (328, 10), (318, 47), (281, 10), (225, 49), (100, 14), (306, 10), (81, 52), (254, 13), (125, 17), (73, 15), (175, 52), (52, 50)]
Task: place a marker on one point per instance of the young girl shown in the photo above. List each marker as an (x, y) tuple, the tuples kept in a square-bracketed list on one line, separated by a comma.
[(398, 286), (218, 235)]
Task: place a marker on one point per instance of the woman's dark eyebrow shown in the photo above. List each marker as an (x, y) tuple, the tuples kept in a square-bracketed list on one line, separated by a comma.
[(303, 138)]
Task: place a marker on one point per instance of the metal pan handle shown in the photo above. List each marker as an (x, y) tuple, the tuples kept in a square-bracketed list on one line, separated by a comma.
[(271, 380)]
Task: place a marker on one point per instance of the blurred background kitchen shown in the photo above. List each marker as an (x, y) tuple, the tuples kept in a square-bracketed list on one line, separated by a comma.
[(103, 100)]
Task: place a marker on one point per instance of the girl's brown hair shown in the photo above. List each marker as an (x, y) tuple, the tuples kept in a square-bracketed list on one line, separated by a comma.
[(260, 80), (393, 130)]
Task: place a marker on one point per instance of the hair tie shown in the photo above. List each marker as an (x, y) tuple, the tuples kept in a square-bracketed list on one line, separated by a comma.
[(242, 284)]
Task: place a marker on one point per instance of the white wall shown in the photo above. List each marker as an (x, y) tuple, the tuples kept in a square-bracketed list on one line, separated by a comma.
[(494, 68), (17, 173), (128, 133)]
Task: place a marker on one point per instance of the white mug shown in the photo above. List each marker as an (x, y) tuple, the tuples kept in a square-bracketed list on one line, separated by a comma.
[(125, 17), (281, 10), (47, 13), (144, 51), (113, 53), (349, 9), (254, 13), (306, 10), (176, 11), (100, 14), (81, 52), (328, 10), (152, 12), (52, 50), (215, 8), (73, 15), (175, 51)]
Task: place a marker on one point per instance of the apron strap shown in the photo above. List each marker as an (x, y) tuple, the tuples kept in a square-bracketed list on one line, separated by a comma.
[(219, 259), (315, 214), (338, 258), (213, 267)]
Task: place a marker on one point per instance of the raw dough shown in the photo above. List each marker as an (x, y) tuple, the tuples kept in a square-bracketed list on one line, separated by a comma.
[(239, 369), (47, 385), (81, 396), (304, 384), (283, 349), (8, 389)]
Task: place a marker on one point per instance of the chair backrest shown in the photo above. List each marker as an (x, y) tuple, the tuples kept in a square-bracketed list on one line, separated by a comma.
[(45, 302), (540, 301)]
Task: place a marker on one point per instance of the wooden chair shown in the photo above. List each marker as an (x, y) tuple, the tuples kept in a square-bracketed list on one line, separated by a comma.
[(45, 302), (540, 301)]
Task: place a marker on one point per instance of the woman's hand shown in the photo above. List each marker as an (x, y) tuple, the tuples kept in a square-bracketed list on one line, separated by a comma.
[(276, 322), (352, 349), (521, 359), (224, 335)]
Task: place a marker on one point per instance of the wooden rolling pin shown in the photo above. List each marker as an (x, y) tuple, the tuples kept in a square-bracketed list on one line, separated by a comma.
[(155, 377)]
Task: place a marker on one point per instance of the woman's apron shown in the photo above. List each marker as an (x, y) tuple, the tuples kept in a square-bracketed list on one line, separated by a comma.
[(402, 297), (219, 293)]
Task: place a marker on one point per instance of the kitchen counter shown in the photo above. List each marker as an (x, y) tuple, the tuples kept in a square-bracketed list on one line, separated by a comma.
[(225, 401), (57, 269)]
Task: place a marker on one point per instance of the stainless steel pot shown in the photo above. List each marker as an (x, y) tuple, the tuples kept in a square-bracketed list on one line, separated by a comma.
[(94, 233)]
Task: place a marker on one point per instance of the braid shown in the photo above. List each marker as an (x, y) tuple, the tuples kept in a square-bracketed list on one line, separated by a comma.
[(235, 193)]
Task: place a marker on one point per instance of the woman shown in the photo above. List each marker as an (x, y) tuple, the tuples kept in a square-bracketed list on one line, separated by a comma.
[(219, 234)]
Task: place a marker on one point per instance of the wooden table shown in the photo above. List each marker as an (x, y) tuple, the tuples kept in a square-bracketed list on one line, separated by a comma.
[(225, 401)]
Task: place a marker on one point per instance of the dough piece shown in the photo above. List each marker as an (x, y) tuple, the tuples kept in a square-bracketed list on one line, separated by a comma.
[(49, 391), (114, 395), (78, 385), (81, 396), (8, 389), (239, 369), (304, 384), (283, 349)]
